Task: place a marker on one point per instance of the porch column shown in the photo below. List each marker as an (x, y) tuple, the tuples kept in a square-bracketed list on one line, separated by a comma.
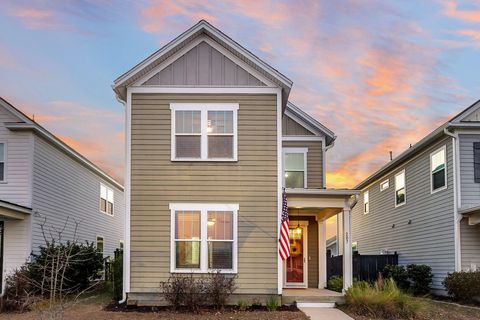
[(340, 229), (347, 249), (322, 253)]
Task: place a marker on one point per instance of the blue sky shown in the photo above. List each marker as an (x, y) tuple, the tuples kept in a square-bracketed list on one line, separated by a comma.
[(380, 74)]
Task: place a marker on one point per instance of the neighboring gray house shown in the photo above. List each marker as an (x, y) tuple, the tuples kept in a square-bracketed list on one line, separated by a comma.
[(425, 204), (42, 180)]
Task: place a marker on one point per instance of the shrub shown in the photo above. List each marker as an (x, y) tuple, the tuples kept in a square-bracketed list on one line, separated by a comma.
[(218, 288), (463, 286), (174, 290), (382, 300), (335, 283), (421, 277), (397, 273), (242, 305), (272, 303), (17, 293)]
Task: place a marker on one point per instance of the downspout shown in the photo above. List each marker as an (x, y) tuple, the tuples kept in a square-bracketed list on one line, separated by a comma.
[(126, 228), (456, 197)]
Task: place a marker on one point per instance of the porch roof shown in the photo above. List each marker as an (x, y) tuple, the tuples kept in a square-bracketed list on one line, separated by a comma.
[(9, 210), (473, 214)]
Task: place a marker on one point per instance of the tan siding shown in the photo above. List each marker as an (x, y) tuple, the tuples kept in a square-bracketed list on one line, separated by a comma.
[(292, 128), (251, 182), (314, 161)]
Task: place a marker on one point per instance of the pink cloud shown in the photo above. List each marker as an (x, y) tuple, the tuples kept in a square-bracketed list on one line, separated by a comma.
[(473, 37), (450, 9)]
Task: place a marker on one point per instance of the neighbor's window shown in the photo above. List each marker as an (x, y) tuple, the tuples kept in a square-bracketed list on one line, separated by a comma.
[(100, 244), (204, 237), (438, 170), (295, 162), (366, 202), (204, 131), (2, 161), (106, 199), (384, 185), (400, 192), (476, 162)]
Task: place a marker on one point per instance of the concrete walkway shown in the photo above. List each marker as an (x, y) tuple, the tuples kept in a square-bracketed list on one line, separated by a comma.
[(325, 314)]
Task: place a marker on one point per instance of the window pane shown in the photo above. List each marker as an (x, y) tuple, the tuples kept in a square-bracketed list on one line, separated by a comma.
[(100, 244), (220, 225), (220, 147), (103, 192), (187, 225), (103, 205), (187, 121), (438, 179), (220, 122), (2, 152), (438, 161), (400, 196), (400, 181), (294, 179), (220, 255), (110, 207), (294, 161), (188, 147), (187, 254), (2, 171), (110, 195)]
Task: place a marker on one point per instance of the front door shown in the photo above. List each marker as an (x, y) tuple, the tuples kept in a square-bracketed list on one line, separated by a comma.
[(296, 264)]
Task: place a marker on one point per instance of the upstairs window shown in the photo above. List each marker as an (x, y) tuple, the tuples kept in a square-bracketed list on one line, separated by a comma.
[(384, 185), (476, 161), (204, 132), (400, 190), (204, 237), (438, 171), (106, 199), (295, 163), (2, 161), (366, 203), (100, 244)]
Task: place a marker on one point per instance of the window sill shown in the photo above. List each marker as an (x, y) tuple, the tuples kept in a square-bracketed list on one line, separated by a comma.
[(438, 190), (3, 182), (203, 271), (106, 213), (203, 160), (399, 205)]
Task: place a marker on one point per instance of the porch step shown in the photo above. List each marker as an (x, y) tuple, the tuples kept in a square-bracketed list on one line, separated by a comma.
[(311, 297), (316, 304)]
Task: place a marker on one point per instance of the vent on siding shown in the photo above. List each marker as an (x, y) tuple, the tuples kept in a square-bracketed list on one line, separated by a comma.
[(476, 161)]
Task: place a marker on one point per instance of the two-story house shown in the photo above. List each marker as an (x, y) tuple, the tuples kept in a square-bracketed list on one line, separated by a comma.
[(211, 142), (45, 183), (425, 203)]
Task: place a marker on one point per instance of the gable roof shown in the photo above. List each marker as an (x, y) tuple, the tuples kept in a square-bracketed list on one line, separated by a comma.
[(26, 123), (457, 122), (309, 122), (201, 28)]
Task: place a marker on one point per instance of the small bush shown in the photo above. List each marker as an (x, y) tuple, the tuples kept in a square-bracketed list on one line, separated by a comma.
[(16, 297), (218, 288), (272, 303), (242, 305), (335, 283), (195, 293), (397, 273), (463, 286), (421, 277), (173, 290), (382, 300)]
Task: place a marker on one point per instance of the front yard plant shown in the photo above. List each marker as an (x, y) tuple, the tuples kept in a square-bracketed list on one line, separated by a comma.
[(335, 283), (415, 278), (464, 286)]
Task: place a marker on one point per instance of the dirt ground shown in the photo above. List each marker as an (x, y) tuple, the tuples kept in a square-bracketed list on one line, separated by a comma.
[(435, 310), (92, 311)]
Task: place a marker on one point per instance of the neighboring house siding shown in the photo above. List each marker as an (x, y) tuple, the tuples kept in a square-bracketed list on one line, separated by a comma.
[(470, 245), (16, 244), (429, 239), (314, 161), (470, 191), (251, 182), (65, 189), (204, 65), (17, 188), (292, 128)]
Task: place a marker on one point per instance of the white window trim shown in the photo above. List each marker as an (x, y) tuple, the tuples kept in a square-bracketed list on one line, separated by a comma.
[(305, 155), (384, 181), (5, 161), (204, 108), (100, 200), (444, 148), (366, 193), (203, 208), (405, 187)]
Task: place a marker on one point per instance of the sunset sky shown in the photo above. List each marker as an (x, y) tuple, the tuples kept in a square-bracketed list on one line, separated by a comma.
[(380, 74)]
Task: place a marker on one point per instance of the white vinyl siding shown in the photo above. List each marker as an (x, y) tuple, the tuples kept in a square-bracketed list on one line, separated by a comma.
[(204, 238), (204, 132)]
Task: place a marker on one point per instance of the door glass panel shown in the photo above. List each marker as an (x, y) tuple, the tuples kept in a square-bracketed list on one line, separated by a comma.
[(295, 261)]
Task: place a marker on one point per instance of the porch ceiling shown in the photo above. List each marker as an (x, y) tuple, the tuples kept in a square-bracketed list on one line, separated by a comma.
[(12, 211)]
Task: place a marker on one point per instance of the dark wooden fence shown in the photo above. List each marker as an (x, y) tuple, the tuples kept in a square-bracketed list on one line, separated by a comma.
[(114, 274), (365, 267)]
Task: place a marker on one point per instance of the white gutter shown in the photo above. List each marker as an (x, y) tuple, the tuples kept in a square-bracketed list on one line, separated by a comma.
[(456, 197), (324, 192)]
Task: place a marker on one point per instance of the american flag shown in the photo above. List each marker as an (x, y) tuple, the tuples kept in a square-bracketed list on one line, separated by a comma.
[(284, 240)]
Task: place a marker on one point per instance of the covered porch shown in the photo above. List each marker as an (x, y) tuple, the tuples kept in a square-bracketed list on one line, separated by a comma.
[(305, 271)]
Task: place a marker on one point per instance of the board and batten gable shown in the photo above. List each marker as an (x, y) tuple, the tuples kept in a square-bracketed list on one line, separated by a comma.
[(251, 182), (66, 192), (422, 230), (292, 128)]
